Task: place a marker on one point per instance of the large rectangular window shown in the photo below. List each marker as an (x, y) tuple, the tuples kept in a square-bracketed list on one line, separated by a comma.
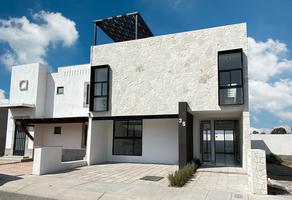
[(99, 88), (127, 138), (230, 77)]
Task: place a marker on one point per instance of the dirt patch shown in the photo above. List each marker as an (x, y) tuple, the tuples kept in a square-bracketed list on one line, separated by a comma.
[(17, 169)]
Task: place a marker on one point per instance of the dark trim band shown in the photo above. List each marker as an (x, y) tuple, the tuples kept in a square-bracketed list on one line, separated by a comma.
[(134, 117)]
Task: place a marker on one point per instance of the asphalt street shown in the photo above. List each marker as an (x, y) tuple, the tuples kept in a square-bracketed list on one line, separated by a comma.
[(14, 196)]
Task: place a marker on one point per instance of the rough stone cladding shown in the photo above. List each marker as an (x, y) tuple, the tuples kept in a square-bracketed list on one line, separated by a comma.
[(150, 76)]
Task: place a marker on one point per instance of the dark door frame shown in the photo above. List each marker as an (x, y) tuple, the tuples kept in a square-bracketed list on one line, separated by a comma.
[(202, 140), (21, 140)]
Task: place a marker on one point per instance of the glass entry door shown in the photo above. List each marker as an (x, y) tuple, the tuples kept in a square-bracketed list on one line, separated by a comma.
[(220, 143), (206, 147), (225, 142)]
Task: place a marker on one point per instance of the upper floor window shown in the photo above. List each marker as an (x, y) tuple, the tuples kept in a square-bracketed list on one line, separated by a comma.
[(230, 77), (99, 88), (86, 95), (60, 90)]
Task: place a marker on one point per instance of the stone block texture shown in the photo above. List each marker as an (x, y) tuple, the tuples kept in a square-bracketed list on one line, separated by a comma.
[(257, 171), (169, 69)]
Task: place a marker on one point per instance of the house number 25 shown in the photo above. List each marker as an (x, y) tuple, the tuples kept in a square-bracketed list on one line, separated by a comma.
[(183, 123)]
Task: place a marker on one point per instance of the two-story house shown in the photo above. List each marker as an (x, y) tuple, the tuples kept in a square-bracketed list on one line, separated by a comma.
[(143, 98)]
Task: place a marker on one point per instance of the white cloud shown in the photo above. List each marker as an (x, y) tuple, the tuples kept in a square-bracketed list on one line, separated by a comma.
[(29, 40), (271, 96), (268, 60), (3, 100), (285, 115)]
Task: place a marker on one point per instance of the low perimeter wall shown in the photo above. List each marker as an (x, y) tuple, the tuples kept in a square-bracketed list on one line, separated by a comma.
[(257, 171), (276, 144), (49, 160)]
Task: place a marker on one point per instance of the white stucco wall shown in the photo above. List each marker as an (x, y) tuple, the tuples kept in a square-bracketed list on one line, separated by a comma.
[(48, 160), (159, 143), (70, 137), (150, 76), (70, 103), (98, 142), (41, 92), (276, 144), (36, 75)]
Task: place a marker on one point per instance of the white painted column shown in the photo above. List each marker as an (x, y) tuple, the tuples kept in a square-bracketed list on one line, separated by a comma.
[(89, 141), (10, 134)]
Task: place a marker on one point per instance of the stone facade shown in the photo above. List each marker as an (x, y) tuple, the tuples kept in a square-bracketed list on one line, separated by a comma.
[(257, 171), (150, 76)]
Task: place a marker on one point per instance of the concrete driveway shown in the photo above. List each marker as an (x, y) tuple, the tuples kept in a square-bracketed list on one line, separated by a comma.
[(128, 173), (122, 181)]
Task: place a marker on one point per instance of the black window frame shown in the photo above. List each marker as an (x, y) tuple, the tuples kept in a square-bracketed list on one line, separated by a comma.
[(230, 71), (92, 87), (59, 87), (57, 130), (127, 137), (87, 98)]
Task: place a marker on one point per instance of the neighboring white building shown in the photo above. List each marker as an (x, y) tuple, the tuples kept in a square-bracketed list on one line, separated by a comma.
[(163, 99)]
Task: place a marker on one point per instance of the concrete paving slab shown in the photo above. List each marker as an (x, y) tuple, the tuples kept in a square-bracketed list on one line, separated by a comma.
[(90, 183)]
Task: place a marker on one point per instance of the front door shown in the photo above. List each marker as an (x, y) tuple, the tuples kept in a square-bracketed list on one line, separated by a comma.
[(219, 144), (19, 142)]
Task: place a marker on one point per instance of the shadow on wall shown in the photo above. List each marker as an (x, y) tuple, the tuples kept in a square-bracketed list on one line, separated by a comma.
[(279, 172), (50, 100), (260, 144), (4, 178)]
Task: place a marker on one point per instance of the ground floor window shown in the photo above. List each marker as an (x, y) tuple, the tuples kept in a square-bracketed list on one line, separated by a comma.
[(127, 137)]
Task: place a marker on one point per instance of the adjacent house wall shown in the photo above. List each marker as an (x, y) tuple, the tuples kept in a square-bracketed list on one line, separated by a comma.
[(273, 143), (36, 75), (71, 103), (150, 76), (41, 93), (70, 137)]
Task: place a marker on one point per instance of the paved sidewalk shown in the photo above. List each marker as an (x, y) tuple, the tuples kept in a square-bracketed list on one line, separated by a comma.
[(232, 179), (90, 183)]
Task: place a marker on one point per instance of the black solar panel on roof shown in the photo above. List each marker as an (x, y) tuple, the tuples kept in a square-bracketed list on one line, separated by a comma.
[(123, 27)]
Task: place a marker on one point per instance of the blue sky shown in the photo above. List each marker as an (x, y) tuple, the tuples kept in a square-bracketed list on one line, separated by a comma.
[(266, 19)]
